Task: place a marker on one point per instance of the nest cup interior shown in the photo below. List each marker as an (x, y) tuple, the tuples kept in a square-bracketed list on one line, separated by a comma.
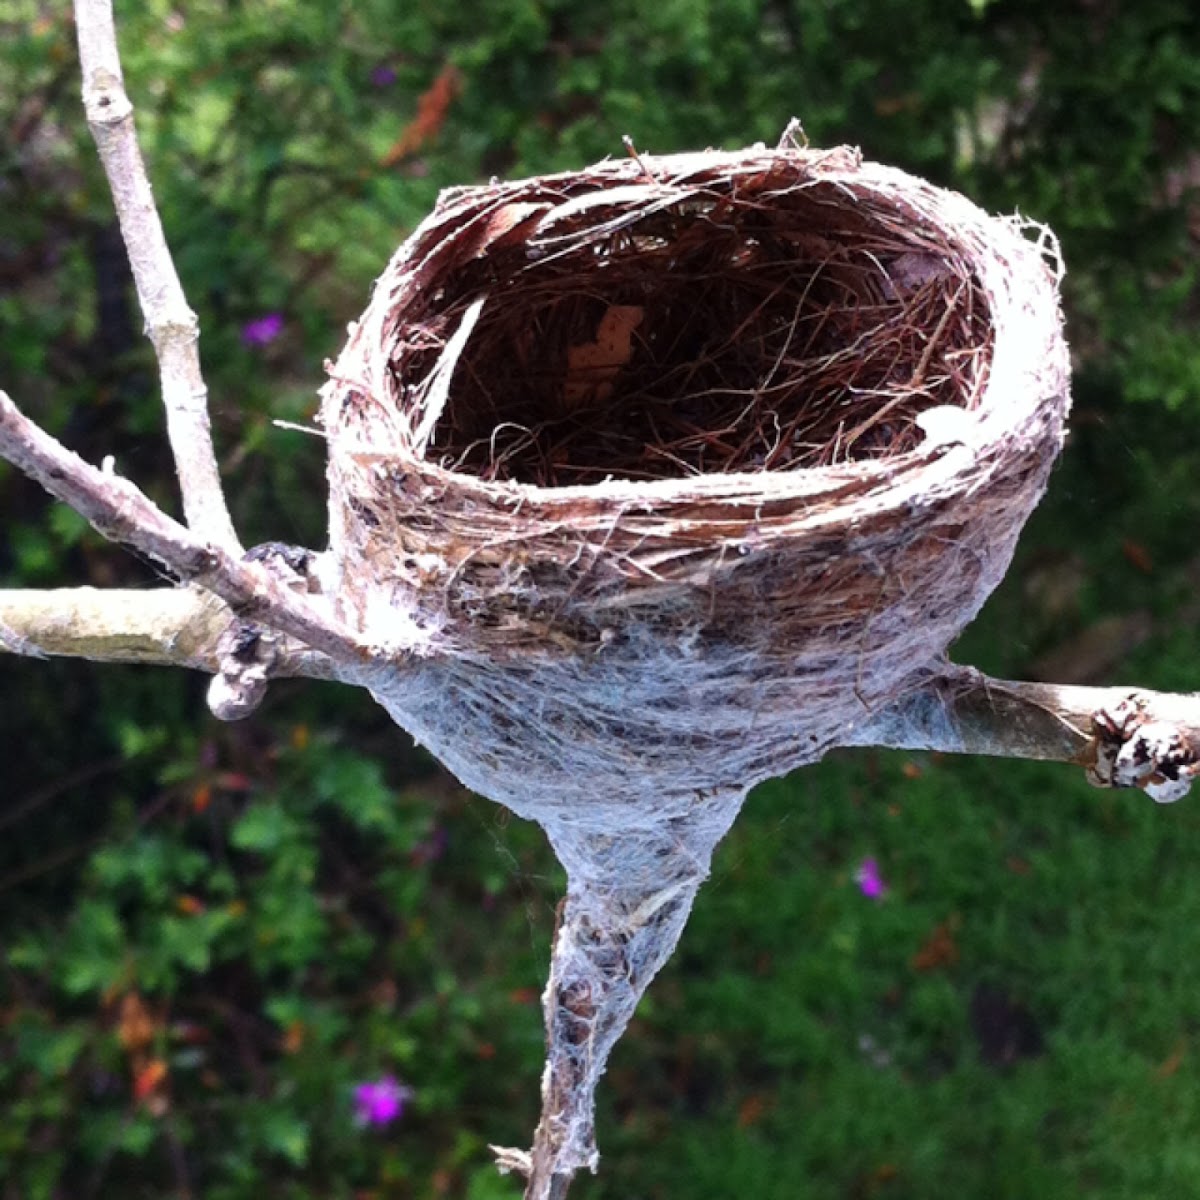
[(729, 331)]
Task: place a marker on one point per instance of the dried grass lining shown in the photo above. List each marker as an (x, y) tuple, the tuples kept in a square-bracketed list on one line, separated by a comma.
[(745, 325), (653, 480)]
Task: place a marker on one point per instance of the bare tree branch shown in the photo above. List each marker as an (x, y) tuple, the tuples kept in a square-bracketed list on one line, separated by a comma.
[(1124, 736), (170, 627), (123, 513), (170, 323)]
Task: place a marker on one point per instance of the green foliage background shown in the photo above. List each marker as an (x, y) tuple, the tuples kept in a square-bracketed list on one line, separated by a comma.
[(301, 903)]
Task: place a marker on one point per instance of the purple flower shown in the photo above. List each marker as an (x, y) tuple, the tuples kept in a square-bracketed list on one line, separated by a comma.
[(380, 1102), (383, 76), (869, 880), (262, 329)]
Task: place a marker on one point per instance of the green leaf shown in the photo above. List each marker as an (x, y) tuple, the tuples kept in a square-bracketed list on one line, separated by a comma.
[(137, 1135), (50, 1051), (486, 1183), (67, 524), (284, 1134), (95, 954), (356, 787), (263, 827)]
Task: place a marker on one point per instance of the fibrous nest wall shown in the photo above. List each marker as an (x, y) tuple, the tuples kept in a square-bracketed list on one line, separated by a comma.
[(665, 471)]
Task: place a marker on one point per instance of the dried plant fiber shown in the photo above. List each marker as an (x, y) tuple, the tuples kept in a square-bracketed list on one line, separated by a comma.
[(656, 479)]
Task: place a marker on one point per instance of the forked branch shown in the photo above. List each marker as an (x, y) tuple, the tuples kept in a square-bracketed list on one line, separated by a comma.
[(124, 514), (618, 926), (168, 626)]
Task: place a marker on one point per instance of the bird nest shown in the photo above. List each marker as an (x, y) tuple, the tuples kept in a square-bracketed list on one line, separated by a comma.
[(652, 480), (661, 475)]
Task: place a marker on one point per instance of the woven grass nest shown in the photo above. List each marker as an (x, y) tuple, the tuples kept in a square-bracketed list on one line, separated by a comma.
[(652, 480), (662, 474)]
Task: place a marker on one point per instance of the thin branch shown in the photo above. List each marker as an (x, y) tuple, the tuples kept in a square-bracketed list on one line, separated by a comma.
[(169, 627), (1124, 736), (170, 323), (124, 514)]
